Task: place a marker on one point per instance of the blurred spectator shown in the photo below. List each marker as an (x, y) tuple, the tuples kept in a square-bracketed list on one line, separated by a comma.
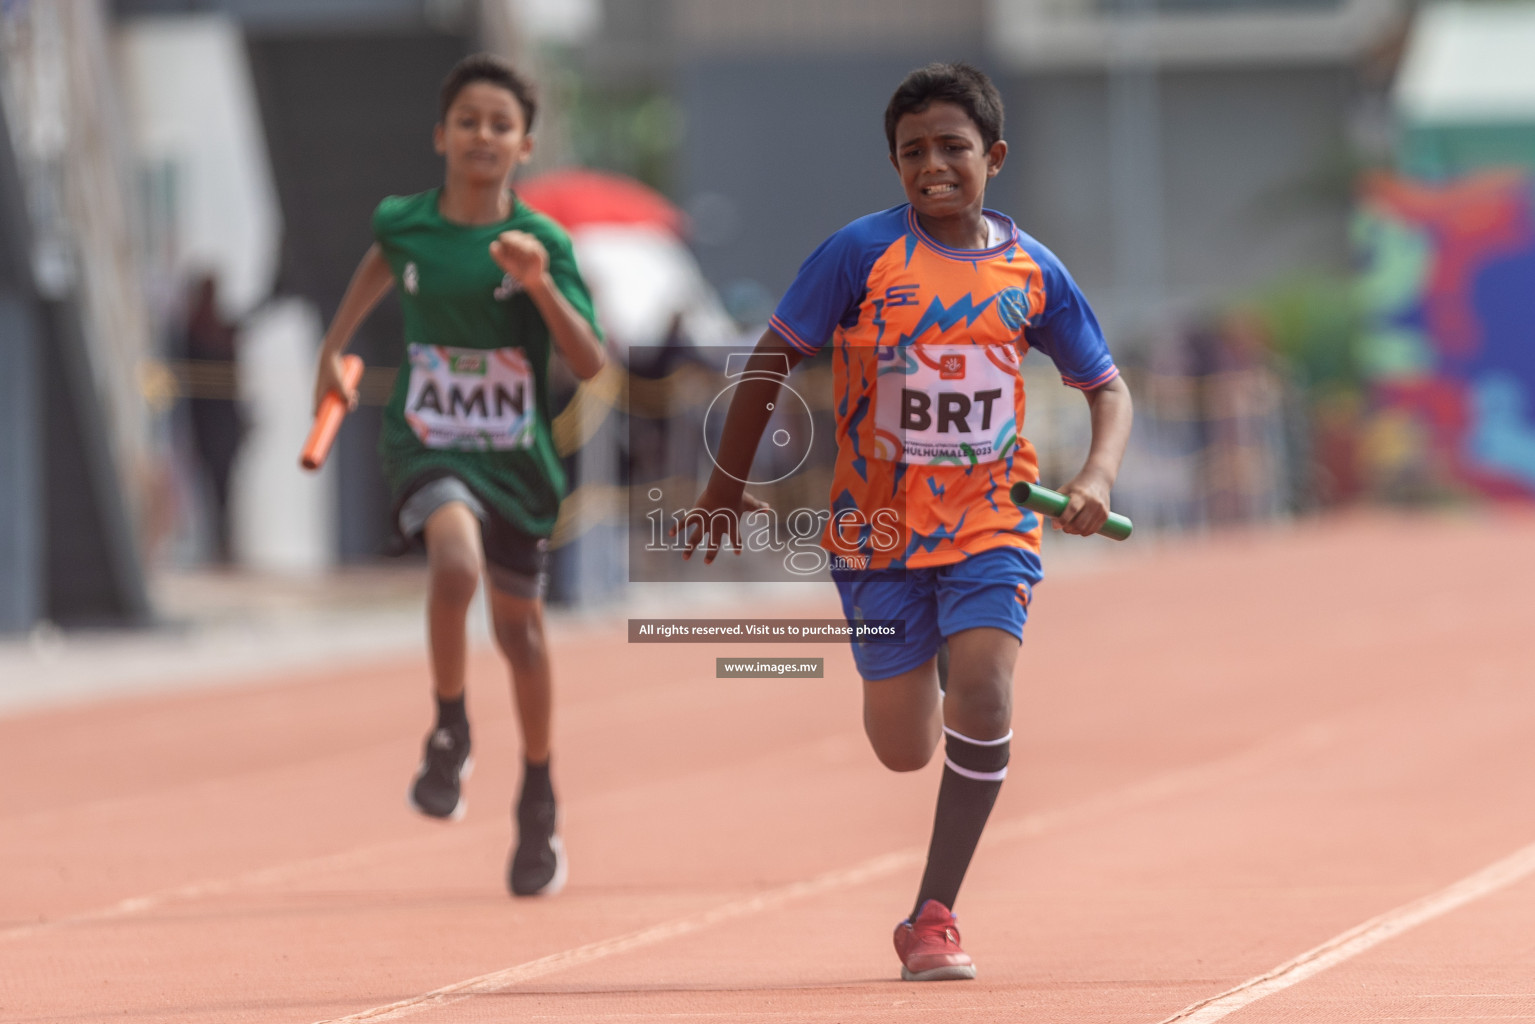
[(216, 419), (1337, 422), (1214, 429), (1241, 415)]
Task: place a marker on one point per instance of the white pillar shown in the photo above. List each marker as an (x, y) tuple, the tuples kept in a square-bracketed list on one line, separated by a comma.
[(283, 517)]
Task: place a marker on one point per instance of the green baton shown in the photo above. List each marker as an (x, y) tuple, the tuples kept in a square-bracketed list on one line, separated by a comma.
[(1052, 503)]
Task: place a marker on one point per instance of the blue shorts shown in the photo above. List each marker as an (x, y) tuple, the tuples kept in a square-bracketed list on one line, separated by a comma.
[(992, 588)]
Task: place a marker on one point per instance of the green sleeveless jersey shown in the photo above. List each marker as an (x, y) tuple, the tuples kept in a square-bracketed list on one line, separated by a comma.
[(472, 395)]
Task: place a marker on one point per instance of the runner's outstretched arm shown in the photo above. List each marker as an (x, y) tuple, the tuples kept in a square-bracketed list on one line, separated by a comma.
[(750, 410), (370, 282)]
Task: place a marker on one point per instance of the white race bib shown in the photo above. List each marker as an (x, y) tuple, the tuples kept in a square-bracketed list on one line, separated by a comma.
[(946, 404), (470, 399)]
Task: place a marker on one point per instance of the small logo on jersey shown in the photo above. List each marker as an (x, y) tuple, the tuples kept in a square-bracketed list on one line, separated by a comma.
[(412, 278), (951, 366), (1013, 308), (509, 286), (468, 364)]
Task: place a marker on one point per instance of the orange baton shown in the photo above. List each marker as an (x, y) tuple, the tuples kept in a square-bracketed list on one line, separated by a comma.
[(328, 420)]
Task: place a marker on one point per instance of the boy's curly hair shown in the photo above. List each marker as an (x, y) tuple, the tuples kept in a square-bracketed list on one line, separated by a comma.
[(487, 67), (960, 83)]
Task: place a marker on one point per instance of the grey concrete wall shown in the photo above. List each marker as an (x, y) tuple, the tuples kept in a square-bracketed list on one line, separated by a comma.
[(1254, 174), (781, 151)]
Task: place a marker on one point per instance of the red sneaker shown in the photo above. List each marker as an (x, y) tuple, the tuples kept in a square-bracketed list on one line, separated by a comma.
[(929, 946)]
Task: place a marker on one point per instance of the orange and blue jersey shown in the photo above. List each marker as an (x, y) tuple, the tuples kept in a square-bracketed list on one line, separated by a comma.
[(926, 345)]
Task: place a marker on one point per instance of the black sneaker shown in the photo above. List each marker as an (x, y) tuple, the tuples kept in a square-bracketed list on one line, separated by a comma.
[(538, 865), (444, 765)]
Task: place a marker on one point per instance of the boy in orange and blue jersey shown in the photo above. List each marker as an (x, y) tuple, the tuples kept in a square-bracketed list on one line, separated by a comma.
[(928, 308)]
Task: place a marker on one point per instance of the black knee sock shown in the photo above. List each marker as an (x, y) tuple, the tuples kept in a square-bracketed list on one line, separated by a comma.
[(973, 771), (451, 716), (536, 786)]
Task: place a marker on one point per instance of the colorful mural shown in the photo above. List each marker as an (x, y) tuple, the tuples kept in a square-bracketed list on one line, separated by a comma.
[(1448, 281)]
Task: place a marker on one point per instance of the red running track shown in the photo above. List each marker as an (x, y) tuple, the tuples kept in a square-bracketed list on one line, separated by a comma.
[(1284, 736)]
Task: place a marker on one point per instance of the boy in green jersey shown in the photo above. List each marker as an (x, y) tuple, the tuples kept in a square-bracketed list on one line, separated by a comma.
[(488, 288)]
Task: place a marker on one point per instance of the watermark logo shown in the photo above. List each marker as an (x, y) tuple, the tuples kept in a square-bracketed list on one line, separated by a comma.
[(802, 534), (791, 427), (796, 538)]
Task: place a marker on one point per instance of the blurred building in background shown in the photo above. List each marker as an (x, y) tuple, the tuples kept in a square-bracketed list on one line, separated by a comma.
[(1171, 153), (1304, 223)]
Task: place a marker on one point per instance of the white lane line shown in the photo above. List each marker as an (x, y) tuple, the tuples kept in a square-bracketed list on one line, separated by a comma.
[(1305, 741), (1159, 787), (1137, 794), (1360, 938), (500, 981), (286, 871)]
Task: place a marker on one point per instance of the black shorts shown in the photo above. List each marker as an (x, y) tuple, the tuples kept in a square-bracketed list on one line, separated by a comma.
[(516, 563)]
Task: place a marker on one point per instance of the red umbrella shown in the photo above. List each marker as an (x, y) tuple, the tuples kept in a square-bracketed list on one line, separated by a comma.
[(577, 198)]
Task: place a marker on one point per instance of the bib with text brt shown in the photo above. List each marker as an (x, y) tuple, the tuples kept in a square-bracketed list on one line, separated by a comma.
[(946, 404)]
